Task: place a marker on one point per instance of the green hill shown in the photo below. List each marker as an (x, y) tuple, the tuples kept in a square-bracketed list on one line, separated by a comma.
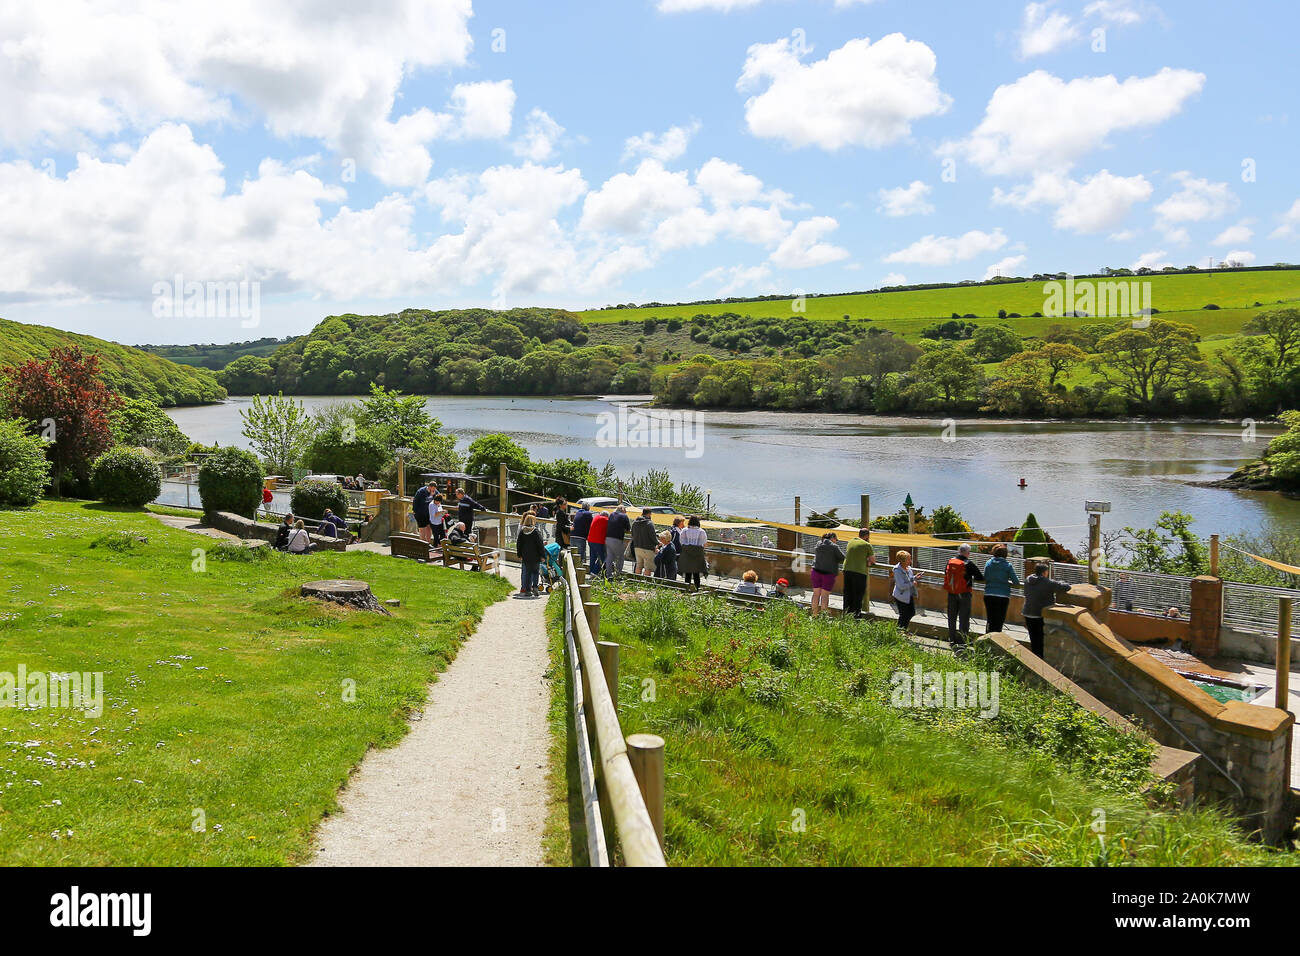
[(213, 356), (128, 371)]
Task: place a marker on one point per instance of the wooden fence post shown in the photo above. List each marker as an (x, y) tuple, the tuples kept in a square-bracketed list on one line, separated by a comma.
[(1214, 555), (1282, 695), (608, 652), (593, 618), (646, 754)]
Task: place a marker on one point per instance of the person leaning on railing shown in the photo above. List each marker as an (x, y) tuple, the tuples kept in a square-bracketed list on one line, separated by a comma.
[(578, 531), (999, 578), (1041, 591)]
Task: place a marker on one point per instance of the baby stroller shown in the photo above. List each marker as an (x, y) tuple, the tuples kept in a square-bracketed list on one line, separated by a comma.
[(551, 573)]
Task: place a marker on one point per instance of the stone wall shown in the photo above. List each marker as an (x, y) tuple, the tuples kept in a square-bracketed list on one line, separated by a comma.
[(1246, 748), (243, 527)]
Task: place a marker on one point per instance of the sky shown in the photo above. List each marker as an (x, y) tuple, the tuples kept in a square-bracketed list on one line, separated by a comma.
[(323, 157)]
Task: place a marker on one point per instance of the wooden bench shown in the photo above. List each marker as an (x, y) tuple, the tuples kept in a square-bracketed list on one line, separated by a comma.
[(463, 554), (409, 546)]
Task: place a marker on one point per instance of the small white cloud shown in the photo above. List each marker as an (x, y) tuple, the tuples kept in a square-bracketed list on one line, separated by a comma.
[(1003, 267), (945, 250), (1234, 235), (862, 94), (803, 248), (1199, 200), (905, 200), (1096, 204), (1241, 256), (664, 147), (1117, 11), (1152, 260), (541, 133), (1124, 235), (1043, 30), (893, 278), (1290, 224)]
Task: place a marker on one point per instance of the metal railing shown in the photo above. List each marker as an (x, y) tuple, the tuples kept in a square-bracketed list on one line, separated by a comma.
[(1253, 607)]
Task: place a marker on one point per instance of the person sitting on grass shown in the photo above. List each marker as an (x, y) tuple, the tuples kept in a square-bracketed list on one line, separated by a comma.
[(778, 590), (282, 533), (299, 541), (748, 584), (331, 524)]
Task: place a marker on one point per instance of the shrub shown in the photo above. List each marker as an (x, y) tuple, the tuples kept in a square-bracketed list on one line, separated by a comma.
[(1033, 538), (120, 542), (125, 476), (311, 497), (24, 469), (231, 480)]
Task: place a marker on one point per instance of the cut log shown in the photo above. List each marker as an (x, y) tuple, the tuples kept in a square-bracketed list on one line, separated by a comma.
[(353, 594)]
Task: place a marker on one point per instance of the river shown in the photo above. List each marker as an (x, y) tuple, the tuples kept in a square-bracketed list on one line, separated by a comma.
[(756, 462)]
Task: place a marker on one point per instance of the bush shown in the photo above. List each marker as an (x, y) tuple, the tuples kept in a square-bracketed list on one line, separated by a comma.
[(230, 480), (311, 497), (125, 476), (24, 469), (1033, 538)]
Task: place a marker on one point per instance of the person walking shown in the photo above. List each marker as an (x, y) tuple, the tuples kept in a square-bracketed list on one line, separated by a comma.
[(465, 508), (646, 542), (420, 508), (532, 552), (999, 578), (596, 537), (693, 562), (859, 556), (904, 589), (616, 533), (578, 530), (827, 558), (1041, 590), (958, 575), (562, 522)]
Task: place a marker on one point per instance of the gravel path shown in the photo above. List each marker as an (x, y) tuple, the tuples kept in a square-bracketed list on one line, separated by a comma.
[(467, 785)]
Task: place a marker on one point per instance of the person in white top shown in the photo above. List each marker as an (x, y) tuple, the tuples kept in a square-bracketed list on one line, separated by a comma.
[(904, 593), (299, 542)]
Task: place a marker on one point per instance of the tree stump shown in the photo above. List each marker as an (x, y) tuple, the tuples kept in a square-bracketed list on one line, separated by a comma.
[(353, 594)]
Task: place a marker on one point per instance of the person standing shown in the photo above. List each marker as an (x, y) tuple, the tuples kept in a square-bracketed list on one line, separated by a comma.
[(562, 522), (267, 498), (616, 539), (420, 508), (958, 575), (437, 520), (646, 542), (827, 558), (859, 556), (904, 590), (693, 562), (465, 508), (596, 537), (1041, 591), (578, 531), (532, 551), (999, 578)]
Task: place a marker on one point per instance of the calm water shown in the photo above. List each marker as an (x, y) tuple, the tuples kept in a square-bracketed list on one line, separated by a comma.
[(756, 462)]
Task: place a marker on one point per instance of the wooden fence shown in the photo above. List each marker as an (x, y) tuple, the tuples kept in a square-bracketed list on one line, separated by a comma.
[(622, 779)]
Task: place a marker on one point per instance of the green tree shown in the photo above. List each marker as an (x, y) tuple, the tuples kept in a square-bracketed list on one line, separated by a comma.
[(488, 452), (1152, 366), (1033, 538), (140, 423), (993, 343), (24, 467), (248, 375), (395, 419), (946, 378), (279, 430), (1168, 548)]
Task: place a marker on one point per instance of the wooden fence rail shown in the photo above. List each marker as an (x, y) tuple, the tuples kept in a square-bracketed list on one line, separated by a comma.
[(603, 760)]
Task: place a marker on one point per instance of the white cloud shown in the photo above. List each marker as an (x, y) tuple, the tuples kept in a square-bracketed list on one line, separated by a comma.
[(1290, 224), (862, 94), (1044, 30), (803, 248), (541, 133), (906, 200), (1041, 122), (1234, 235), (1124, 235), (688, 6), (665, 147), (75, 70), (893, 278), (632, 202), (945, 250), (1117, 11), (1243, 256), (1199, 200), (1003, 267), (737, 279), (1096, 204), (1152, 260)]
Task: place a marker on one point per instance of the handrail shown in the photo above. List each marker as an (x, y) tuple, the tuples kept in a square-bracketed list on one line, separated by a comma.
[(632, 823)]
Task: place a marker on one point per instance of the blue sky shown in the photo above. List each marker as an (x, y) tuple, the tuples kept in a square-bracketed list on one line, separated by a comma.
[(343, 157)]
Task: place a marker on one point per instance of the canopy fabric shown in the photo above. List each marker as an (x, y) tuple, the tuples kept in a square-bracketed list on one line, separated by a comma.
[(1288, 568)]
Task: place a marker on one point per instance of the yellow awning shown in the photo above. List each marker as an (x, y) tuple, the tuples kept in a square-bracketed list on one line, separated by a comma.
[(1288, 568)]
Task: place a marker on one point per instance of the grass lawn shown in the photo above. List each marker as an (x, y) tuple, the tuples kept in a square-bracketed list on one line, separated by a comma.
[(225, 731), (1169, 293), (782, 748)]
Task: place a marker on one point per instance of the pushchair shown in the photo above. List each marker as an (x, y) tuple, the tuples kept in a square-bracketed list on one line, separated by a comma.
[(551, 573)]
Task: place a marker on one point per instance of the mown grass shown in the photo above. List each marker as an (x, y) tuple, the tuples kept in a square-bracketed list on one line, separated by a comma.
[(782, 748), (225, 731), (1169, 293)]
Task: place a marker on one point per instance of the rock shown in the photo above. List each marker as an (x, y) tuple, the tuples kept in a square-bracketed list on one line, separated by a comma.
[(393, 602)]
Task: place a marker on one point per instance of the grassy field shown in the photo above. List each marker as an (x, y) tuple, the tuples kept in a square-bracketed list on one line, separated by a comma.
[(225, 731), (1169, 293), (782, 748)]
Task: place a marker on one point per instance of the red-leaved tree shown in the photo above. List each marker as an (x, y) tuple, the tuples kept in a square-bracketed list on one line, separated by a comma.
[(64, 398)]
